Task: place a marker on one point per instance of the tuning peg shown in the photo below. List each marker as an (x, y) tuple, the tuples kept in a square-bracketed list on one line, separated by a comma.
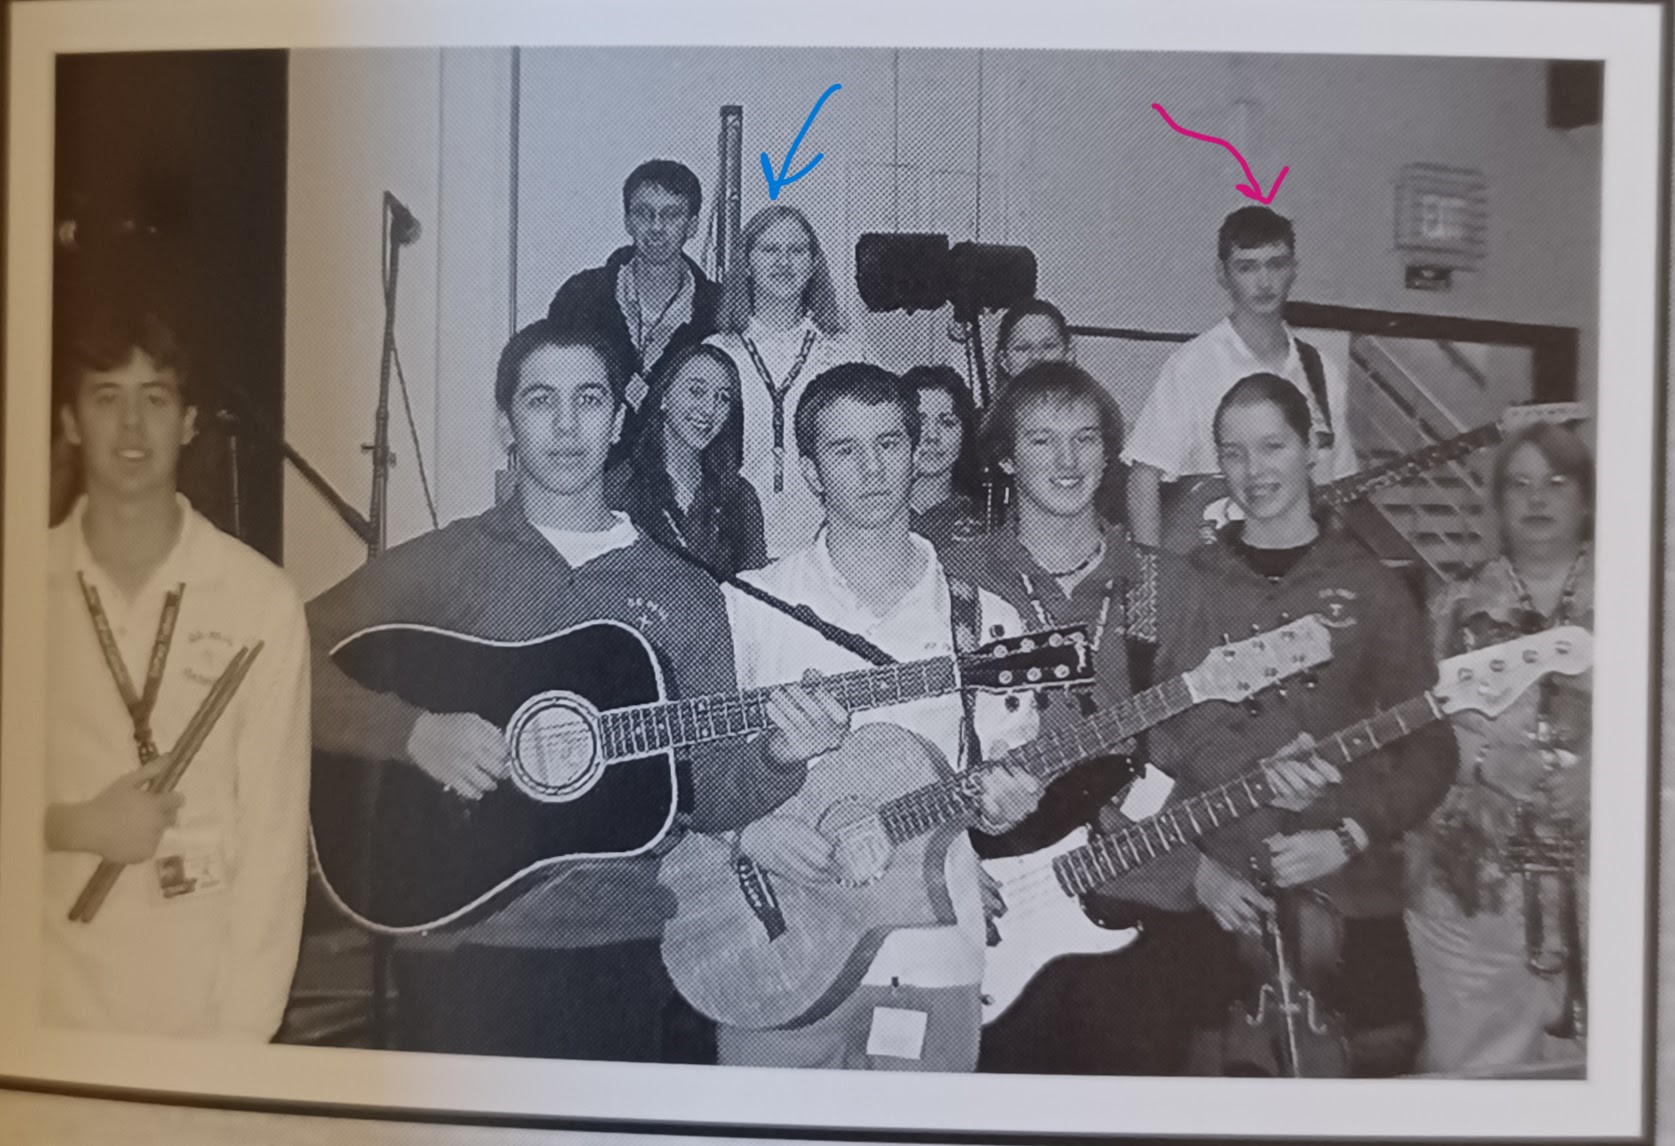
[(1311, 681), (1253, 706)]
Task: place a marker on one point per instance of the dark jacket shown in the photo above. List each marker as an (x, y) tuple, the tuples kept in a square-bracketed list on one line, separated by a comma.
[(997, 561), (589, 297), (1380, 657), (956, 519), (722, 527), (494, 576)]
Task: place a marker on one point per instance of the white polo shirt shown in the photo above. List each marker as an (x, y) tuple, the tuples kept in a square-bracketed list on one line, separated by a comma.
[(771, 648), (790, 515), (202, 940), (1174, 433)]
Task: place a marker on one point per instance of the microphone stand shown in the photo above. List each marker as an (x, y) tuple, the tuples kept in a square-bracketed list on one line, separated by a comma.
[(403, 228)]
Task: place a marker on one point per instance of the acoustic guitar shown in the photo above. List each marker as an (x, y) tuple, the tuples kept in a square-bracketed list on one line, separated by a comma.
[(756, 952), (593, 738), (1195, 507), (1042, 891)]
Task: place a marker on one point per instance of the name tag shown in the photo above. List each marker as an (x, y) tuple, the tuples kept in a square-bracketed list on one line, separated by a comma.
[(190, 863), (897, 1033)]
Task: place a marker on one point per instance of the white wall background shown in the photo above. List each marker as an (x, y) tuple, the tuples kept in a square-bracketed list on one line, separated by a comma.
[(1120, 211)]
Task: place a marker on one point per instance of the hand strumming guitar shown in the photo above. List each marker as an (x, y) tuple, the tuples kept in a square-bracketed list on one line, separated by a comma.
[(1008, 795), (1234, 902), (807, 722), (461, 751), (122, 824)]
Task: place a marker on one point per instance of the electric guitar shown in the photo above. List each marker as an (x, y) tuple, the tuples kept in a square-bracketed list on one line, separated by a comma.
[(593, 738), (1042, 891), (1196, 506), (756, 952)]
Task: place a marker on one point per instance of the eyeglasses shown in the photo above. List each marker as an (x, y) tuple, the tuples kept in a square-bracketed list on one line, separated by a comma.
[(670, 216), (1553, 482)]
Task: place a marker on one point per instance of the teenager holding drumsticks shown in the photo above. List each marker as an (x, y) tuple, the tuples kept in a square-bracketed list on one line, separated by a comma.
[(148, 604)]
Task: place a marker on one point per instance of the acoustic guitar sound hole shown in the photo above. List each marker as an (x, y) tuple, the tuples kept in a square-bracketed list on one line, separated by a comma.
[(554, 739)]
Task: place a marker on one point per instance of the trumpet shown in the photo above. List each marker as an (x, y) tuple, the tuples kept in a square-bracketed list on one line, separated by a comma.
[(1541, 858)]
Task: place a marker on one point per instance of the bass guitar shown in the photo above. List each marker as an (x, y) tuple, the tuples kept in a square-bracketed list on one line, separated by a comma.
[(593, 738), (1042, 891), (757, 953), (1195, 507)]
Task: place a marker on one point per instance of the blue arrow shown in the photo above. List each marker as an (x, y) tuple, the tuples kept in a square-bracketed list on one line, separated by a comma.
[(775, 182)]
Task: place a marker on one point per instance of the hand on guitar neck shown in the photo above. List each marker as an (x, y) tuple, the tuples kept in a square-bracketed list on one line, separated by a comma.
[(1296, 775), (807, 722), (460, 751)]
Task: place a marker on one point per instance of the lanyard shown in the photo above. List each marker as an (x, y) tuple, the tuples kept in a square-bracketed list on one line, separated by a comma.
[(139, 705), (1547, 737), (641, 338), (776, 394), (1532, 616)]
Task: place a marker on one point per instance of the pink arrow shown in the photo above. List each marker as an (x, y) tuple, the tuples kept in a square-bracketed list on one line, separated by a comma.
[(1251, 190)]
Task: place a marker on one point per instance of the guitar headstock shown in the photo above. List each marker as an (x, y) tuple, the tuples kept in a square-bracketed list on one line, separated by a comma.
[(1558, 413), (1046, 658), (1240, 670), (1490, 679)]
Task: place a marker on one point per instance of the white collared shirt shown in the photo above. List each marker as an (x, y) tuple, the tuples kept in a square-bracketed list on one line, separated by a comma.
[(792, 515), (1174, 433), (203, 939), (771, 648)]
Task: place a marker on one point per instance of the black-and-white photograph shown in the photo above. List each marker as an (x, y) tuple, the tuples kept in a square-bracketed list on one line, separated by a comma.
[(575, 556)]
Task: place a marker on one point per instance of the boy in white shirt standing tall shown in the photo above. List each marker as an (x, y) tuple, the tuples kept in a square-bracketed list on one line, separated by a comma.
[(1176, 495), (147, 604), (917, 1007)]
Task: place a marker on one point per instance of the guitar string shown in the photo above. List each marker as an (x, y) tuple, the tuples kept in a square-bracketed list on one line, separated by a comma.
[(724, 709), (1042, 884)]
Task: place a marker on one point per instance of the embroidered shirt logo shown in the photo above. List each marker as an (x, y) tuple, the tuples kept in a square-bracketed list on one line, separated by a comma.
[(1338, 613), (648, 615), (208, 652)]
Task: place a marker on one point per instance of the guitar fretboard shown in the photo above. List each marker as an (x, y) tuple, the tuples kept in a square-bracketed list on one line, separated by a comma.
[(647, 728), (1083, 869), (947, 801), (1345, 490)]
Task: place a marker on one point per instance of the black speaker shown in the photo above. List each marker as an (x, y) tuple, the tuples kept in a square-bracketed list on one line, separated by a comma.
[(983, 276), (1575, 92), (902, 272)]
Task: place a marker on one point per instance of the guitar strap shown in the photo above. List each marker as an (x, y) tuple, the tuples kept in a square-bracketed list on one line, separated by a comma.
[(841, 637), (1315, 371), (965, 615)]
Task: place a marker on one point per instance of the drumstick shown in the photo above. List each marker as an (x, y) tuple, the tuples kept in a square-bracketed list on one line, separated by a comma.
[(214, 703)]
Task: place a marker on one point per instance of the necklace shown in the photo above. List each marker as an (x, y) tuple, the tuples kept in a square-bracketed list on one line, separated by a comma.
[(1081, 566), (1084, 695)]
